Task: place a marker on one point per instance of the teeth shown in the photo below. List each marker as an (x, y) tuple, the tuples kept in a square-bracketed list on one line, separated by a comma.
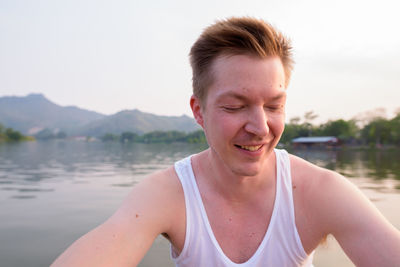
[(251, 148)]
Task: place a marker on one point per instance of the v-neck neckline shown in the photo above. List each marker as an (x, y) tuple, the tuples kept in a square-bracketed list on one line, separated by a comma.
[(270, 225)]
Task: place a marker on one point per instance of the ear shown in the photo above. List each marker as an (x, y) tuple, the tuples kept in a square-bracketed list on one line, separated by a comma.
[(197, 110)]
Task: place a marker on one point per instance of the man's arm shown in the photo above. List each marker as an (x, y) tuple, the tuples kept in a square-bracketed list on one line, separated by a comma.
[(361, 230), (149, 210)]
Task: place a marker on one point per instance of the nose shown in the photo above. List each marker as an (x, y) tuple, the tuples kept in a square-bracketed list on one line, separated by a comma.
[(257, 122)]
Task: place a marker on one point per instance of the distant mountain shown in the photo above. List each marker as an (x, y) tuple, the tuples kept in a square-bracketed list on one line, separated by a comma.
[(138, 122), (34, 112)]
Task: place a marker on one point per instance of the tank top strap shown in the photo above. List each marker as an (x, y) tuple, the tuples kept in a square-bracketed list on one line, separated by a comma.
[(284, 178), (286, 207), (184, 172)]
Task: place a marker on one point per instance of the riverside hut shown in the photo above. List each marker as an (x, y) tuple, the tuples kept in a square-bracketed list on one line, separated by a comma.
[(315, 141)]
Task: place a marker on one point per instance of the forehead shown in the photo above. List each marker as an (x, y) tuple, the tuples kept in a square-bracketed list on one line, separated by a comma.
[(247, 77)]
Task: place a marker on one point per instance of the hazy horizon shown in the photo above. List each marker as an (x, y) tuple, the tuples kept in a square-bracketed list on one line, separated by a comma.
[(363, 115), (112, 56)]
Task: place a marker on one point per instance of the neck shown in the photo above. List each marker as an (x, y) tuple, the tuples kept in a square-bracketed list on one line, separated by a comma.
[(232, 186)]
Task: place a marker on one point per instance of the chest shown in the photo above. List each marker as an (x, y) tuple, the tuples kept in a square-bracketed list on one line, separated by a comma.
[(239, 229)]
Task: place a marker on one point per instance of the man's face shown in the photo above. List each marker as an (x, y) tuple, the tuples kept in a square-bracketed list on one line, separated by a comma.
[(244, 113)]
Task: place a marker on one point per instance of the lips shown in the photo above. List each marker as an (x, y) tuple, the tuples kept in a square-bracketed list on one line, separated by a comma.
[(250, 148)]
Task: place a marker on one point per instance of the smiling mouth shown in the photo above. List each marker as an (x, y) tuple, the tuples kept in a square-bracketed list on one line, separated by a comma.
[(250, 148)]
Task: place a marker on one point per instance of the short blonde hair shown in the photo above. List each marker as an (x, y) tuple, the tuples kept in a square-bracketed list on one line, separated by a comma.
[(236, 36)]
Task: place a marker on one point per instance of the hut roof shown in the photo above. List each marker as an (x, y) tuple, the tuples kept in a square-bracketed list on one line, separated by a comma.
[(315, 139)]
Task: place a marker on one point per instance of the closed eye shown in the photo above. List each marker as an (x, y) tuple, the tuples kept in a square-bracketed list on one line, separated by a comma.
[(232, 108), (274, 108)]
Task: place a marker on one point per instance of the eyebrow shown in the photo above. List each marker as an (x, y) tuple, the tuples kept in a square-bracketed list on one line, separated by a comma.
[(244, 97), (279, 96)]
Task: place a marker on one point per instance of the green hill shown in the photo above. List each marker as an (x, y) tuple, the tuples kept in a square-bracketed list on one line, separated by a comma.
[(34, 113)]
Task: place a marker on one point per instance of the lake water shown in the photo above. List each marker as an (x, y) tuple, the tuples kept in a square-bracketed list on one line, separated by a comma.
[(51, 193)]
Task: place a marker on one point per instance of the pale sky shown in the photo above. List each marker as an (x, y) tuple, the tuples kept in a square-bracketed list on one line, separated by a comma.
[(107, 56)]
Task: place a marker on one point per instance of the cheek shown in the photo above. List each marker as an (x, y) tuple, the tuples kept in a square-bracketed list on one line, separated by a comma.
[(223, 125), (232, 123), (277, 123)]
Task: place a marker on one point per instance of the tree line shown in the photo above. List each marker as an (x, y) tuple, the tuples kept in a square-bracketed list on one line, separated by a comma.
[(374, 131), (157, 137), (11, 135)]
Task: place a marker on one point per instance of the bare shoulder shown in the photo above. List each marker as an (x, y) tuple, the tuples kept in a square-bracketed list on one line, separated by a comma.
[(333, 205), (326, 192), (316, 182), (311, 184), (306, 174), (159, 192), (152, 207), (308, 181), (157, 204)]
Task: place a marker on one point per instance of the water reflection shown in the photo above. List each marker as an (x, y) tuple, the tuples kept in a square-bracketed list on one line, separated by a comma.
[(33, 168), (36, 167), (376, 164), (379, 166), (53, 192)]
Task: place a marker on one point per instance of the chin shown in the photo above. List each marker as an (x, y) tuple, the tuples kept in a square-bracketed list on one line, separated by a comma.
[(247, 170), (252, 168)]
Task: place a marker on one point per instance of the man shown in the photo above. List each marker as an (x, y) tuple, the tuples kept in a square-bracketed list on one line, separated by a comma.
[(240, 201)]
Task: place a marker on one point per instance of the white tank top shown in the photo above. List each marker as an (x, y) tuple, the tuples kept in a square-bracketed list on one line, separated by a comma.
[(281, 245)]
